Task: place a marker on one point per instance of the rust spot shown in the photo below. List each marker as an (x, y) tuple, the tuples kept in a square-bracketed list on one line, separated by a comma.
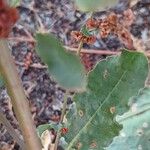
[(112, 110), (105, 74), (79, 145), (93, 145), (81, 113)]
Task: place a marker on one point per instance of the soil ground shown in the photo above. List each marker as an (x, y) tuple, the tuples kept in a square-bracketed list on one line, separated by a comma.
[(59, 17)]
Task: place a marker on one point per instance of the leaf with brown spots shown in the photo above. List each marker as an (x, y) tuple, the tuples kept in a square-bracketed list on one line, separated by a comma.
[(91, 123)]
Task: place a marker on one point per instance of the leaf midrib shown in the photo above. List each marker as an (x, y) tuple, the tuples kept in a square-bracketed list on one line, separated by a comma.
[(82, 129), (74, 139)]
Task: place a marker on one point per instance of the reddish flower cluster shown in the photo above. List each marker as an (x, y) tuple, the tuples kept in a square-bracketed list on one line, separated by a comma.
[(8, 17), (106, 26), (80, 37), (112, 25), (93, 23)]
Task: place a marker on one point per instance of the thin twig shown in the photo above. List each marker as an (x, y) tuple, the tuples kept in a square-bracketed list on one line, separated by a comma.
[(79, 48), (11, 131), (57, 140), (82, 50), (91, 51), (101, 52), (61, 119), (64, 106), (39, 66), (34, 65), (22, 39)]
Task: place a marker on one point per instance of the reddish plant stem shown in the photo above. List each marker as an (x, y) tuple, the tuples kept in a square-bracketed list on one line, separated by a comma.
[(91, 51)]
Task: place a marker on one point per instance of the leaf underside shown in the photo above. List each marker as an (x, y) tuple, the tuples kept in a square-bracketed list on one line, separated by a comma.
[(110, 85), (64, 67), (89, 5), (14, 3), (135, 134), (42, 128)]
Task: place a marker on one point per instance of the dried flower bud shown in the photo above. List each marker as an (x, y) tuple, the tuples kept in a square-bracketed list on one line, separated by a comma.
[(104, 33), (108, 25), (112, 19), (88, 39), (91, 40), (125, 36), (92, 23), (77, 35), (8, 17), (128, 18)]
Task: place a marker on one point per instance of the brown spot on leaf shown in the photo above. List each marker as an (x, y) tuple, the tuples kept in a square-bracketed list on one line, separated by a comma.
[(81, 113), (105, 74), (93, 145), (79, 145), (112, 110)]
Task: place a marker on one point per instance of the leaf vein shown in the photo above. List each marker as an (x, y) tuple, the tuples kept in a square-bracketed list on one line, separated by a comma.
[(75, 138)]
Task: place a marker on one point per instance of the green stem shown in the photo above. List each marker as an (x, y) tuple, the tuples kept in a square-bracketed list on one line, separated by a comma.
[(18, 98), (64, 107), (61, 119)]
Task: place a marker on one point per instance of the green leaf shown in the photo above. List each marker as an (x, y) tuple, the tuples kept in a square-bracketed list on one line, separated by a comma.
[(110, 85), (85, 31), (135, 134), (14, 3), (94, 5), (65, 67)]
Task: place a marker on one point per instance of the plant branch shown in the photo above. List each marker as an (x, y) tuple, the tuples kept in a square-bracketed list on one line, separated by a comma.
[(79, 48), (101, 52), (64, 106), (18, 98), (61, 120), (72, 49), (91, 51), (11, 130)]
